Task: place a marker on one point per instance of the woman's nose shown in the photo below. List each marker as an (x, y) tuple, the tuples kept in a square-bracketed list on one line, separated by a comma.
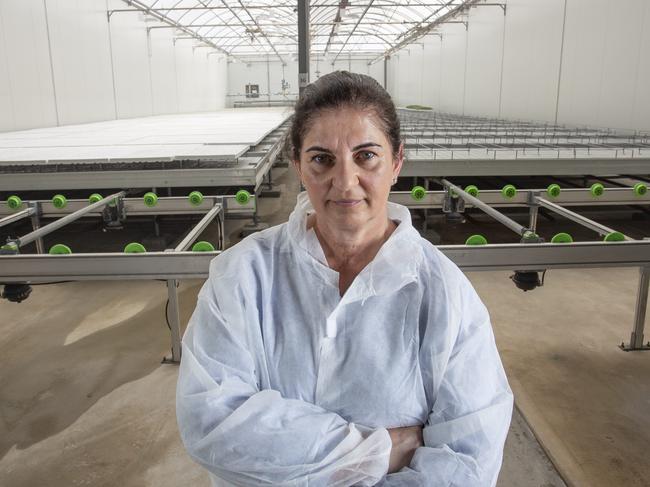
[(345, 174)]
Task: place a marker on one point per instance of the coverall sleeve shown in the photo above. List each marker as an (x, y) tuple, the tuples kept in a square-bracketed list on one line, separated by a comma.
[(468, 424), (250, 437)]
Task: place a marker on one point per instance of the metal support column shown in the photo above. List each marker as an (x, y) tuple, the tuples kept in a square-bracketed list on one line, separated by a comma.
[(36, 224), (533, 212), (174, 321), (386, 73), (636, 339), (303, 45)]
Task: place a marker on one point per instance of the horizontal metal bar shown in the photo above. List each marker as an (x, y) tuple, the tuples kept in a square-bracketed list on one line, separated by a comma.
[(16, 216), (243, 175), (427, 166), (584, 221), (174, 205), (198, 228), (494, 198), (179, 205), (194, 265), (292, 7)]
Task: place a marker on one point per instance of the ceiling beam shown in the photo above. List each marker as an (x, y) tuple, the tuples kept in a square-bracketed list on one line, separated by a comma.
[(170, 23), (421, 30), (353, 29), (337, 21), (247, 28)]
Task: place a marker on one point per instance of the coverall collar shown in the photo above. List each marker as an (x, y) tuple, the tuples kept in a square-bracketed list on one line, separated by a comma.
[(395, 265)]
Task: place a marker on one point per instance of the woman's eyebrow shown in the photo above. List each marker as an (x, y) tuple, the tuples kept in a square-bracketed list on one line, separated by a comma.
[(318, 148), (357, 147), (367, 144)]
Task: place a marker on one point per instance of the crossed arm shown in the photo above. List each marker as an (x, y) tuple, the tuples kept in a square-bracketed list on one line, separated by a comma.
[(249, 436)]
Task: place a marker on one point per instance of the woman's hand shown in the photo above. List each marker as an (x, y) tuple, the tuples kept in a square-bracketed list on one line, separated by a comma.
[(405, 441)]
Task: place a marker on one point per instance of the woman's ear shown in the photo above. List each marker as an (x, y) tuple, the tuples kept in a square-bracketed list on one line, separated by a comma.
[(296, 165), (399, 160)]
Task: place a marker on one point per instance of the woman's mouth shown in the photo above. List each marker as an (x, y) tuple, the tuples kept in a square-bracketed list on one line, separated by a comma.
[(347, 203)]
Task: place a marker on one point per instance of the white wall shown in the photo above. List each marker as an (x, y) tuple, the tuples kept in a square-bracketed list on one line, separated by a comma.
[(531, 63), (576, 62), (26, 89), (271, 73), (62, 62), (608, 83)]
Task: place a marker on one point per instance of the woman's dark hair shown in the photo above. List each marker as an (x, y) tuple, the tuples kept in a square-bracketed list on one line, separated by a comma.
[(344, 89)]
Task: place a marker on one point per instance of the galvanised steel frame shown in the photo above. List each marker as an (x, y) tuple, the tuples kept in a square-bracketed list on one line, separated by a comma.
[(113, 265), (178, 264), (445, 145), (455, 199)]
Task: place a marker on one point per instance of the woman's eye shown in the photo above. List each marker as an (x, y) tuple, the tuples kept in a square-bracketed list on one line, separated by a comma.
[(366, 155), (323, 159)]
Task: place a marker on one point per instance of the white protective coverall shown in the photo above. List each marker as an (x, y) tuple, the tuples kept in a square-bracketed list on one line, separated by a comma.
[(285, 382)]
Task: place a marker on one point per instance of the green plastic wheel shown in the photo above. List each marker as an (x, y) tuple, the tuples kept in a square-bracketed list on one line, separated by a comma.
[(196, 198), (14, 202), (553, 190), (150, 199), (59, 201), (472, 190), (418, 193), (614, 237), (242, 197), (597, 189), (134, 248), (476, 240), (202, 246), (640, 189), (10, 246), (562, 238), (94, 198), (509, 191), (60, 249)]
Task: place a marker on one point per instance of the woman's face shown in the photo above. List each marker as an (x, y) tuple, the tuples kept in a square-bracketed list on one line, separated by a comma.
[(347, 167)]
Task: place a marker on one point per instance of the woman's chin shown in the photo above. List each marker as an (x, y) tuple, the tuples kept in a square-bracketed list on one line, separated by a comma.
[(347, 220)]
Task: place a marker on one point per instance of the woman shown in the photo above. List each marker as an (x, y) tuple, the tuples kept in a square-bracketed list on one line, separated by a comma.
[(341, 348)]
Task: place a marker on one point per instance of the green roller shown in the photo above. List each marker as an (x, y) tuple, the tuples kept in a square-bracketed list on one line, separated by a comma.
[(597, 189), (472, 190), (242, 197), (640, 189), (59, 201), (418, 193), (14, 202), (60, 249), (553, 190), (562, 238), (509, 191), (94, 198), (614, 237), (134, 248), (196, 198), (202, 246), (10, 246), (476, 240), (150, 199)]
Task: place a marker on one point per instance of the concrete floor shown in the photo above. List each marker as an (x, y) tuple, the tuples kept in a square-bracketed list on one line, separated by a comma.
[(84, 399)]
